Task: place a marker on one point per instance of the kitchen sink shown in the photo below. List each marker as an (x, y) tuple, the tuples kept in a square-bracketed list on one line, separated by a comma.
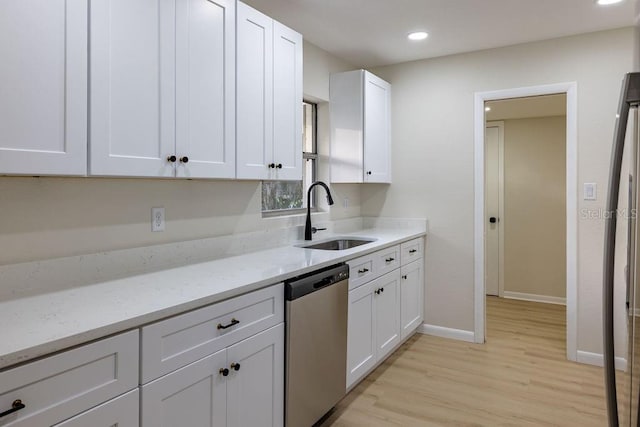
[(339, 244)]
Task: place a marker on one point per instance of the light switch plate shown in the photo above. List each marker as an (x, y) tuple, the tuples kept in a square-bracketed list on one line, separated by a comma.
[(590, 190)]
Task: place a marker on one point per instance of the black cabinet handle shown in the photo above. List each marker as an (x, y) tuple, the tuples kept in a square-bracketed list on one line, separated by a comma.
[(184, 159), (364, 270), (493, 220), (15, 407), (390, 259), (381, 289), (377, 292), (233, 323), (404, 277), (235, 366), (413, 251), (172, 159), (271, 165), (224, 372), (279, 166), (368, 172)]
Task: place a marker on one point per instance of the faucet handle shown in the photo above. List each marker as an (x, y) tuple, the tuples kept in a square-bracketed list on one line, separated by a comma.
[(315, 230)]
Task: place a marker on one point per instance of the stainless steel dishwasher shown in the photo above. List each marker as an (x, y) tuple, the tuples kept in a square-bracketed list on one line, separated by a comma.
[(316, 352)]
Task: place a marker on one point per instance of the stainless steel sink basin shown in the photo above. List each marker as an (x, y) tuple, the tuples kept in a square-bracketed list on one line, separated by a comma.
[(339, 244)]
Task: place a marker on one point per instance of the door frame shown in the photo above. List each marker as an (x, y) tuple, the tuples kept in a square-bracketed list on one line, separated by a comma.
[(571, 91), (500, 125)]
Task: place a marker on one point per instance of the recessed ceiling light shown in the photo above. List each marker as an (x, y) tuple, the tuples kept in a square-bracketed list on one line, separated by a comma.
[(607, 2), (487, 108), (418, 35)]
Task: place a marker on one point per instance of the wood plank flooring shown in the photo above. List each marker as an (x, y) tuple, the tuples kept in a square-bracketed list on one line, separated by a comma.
[(520, 377)]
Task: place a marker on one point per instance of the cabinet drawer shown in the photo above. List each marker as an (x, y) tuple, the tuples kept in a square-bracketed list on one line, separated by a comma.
[(387, 260), (361, 270), (120, 412), (412, 250), (59, 387), (178, 341)]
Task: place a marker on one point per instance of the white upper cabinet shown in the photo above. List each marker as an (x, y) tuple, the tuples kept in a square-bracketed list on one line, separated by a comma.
[(43, 94), (254, 93), (162, 88), (287, 102), (360, 111), (205, 85), (269, 98)]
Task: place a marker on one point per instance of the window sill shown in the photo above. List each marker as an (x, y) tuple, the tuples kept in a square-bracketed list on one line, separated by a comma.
[(289, 213)]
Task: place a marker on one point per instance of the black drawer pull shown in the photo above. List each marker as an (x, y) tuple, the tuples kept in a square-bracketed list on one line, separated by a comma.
[(15, 407), (404, 277), (390, 259), (235, 366), (364, 270), (413, 251), (224, 372), (233, 323)]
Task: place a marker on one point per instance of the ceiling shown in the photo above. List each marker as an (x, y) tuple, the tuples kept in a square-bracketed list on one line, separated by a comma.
[(369, 33), (525, 108)]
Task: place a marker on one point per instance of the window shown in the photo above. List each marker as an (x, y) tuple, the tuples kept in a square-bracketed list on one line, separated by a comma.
[(286, 197)]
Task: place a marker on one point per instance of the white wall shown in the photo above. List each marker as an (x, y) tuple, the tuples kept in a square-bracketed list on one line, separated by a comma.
[(433, 122), (535, 215), (51, 217)]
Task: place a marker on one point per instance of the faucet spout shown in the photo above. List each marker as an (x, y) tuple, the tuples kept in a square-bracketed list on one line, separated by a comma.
[(308, 230)]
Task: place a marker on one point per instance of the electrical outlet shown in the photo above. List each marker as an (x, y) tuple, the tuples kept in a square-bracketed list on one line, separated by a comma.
[(345, 202), (157, 219)]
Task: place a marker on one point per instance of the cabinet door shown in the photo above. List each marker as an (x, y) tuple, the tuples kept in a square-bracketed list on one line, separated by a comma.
[(43, 96), (254, 94), (287, 102), (377, 129), (361, 336), (205, 88), (412, 297), (132, 87), (193, 396), (387, 305), (255, 391), (119, 412)]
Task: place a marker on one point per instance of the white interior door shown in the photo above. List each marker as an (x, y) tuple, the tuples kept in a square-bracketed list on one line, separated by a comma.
[(494, 149)]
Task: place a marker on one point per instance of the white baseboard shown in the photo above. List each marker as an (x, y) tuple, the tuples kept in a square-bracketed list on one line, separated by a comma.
[(535, 298), (440, 331), (597, 359)]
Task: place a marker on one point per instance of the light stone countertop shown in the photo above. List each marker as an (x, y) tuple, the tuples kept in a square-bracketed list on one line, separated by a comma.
[(38, 325)]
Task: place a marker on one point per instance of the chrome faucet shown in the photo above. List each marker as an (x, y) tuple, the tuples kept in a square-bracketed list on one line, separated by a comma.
[(308, 230)]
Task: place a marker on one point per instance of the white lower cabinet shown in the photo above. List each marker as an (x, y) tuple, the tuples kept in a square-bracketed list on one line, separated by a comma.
[(221, 365), (255, 390), (384, 310), (361, 333), (387, 302), (191, 396), (374, 324), (242, 385), (412, 297), (119, 412), (59, 387)]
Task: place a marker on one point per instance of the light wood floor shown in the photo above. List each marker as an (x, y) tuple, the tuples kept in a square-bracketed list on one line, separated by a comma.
[(520, 377)]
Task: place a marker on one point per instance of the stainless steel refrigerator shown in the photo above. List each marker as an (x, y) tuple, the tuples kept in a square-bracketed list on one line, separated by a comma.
[(623, 385)]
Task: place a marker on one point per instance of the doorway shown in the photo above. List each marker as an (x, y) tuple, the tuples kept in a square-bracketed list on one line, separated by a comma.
[(482, 228)]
